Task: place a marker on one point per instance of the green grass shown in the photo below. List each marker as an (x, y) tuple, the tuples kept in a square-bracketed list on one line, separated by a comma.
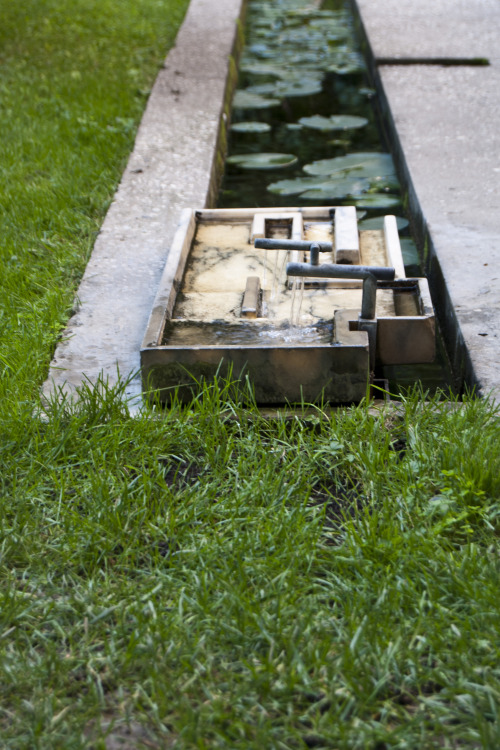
[(211, 578), (216, 579), (75, 75)]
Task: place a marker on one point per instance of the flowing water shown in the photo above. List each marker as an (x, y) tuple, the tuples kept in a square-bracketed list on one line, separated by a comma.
[(304, 132), (296, 301), (190, 333)]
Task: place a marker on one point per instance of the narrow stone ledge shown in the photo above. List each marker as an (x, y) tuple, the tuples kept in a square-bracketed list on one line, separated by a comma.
[(175, 164), (441, 122)]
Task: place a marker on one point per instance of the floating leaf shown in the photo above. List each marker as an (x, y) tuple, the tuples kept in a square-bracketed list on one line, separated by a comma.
[(264, 34), (365, 165), (346, 62), (250, 127), (297, 87), (294, 187), (282, 71), (338, 189), (346, 68), (263, 161), (247, 100), (300, 74), (305, 59), (378, 200), (306, 13), (305, 88), (378, 223), (261, 50), (318, 188), (385, 182), (335, 122), (262, 89)]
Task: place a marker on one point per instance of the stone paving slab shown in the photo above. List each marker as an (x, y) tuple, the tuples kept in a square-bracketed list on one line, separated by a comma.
[(445, 121), (432, 28), (172, 167)]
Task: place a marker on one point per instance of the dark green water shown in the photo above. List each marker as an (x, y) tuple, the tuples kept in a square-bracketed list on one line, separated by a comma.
[(301, 63), (290, 50)]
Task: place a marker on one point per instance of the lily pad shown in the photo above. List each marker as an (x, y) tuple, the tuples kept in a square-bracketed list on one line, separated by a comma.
[(247, 100), (277, 50), (378, 223), (263, 160), (294, 187), (264, 34), (262, 89), (281, 70), (338, 189), (297, 87), (385, 182), (259, 50), (335, 122), (304, 58), (250, 127), (365, 165), (378, 200), (345, 69), (346, 61), (306, 13), (318, 188), (307, 87)]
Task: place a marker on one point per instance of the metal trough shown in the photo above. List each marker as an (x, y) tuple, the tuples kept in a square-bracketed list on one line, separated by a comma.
[(296, 299)]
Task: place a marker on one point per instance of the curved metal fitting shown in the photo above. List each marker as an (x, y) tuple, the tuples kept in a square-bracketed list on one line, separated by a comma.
[(314, 251), (265, 244), (340, 271), (367, 274)]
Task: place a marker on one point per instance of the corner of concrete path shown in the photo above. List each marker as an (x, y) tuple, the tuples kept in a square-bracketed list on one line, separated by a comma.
[(173, 166), (443, 124)]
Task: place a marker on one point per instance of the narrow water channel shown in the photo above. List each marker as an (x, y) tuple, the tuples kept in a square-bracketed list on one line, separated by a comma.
[(304, 131)]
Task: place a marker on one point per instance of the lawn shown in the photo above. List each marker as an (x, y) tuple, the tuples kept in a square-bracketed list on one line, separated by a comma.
[(211, 578)]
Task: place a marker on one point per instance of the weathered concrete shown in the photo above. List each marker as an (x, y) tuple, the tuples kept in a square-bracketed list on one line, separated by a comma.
[(432, 28), (444, 123), (174, 165)]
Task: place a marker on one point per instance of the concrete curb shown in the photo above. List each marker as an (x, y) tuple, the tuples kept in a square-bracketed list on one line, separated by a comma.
[(176, 163), (441, 121)]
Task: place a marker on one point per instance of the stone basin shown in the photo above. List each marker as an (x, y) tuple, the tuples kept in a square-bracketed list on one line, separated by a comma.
[(226, 308)]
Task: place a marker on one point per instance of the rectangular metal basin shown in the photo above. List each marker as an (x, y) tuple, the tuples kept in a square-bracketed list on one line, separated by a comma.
[(225, 308)]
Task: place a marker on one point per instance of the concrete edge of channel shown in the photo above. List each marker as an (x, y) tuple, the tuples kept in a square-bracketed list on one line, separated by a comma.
[(177, 162), (462, 365)]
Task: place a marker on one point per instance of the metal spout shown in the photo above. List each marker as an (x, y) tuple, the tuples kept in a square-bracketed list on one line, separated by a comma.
[(265, 244), (314, 248), (367, 274)]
